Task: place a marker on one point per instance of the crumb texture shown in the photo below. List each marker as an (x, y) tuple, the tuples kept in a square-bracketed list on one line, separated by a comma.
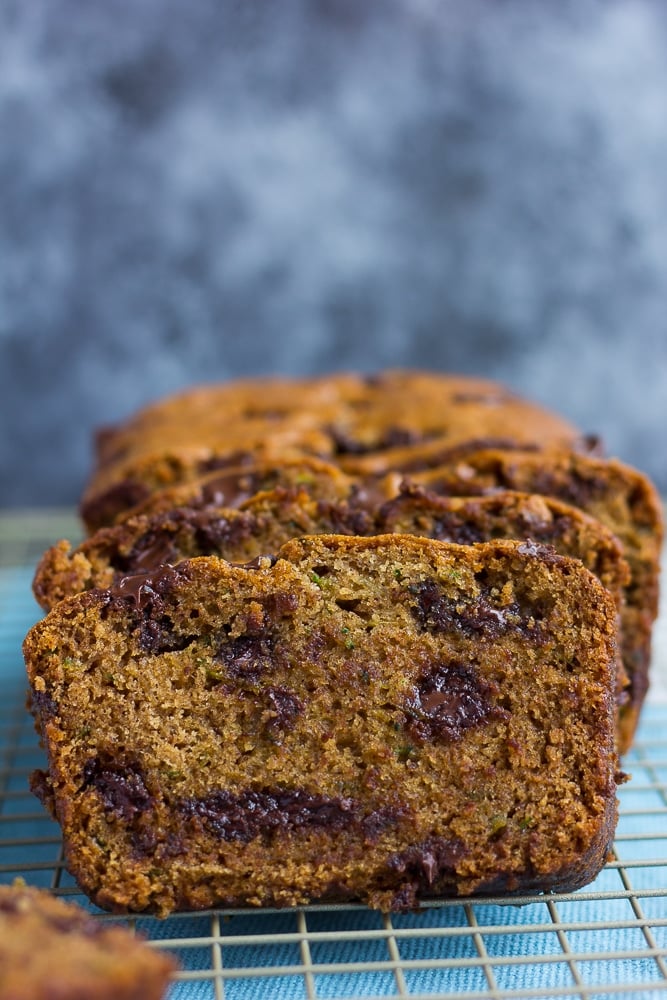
[(357, 718)]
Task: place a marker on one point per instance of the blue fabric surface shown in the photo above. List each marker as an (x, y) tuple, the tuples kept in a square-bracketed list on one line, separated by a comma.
[(609, 927)]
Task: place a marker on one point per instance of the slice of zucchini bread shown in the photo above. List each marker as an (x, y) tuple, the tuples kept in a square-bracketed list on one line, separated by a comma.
[(50, 949), (614, 493), (378, 719)]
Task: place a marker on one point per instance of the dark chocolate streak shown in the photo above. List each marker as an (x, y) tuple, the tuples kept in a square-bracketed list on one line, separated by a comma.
[(250, 813), (392, 437), (103, 507), (458, 451)]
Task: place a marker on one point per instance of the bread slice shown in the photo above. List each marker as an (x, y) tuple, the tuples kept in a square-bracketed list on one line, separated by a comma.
[(615, 494), (378, 719), (51, 949)]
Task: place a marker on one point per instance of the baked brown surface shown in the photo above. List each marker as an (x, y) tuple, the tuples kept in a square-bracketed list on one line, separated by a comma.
[(351, 419), (267, 520), (378, 719), (51, 950), (617, 495)]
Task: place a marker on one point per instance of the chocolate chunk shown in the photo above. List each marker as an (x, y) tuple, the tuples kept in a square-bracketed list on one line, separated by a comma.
[(120, 783), (158, 636), (214, 533), (246, 657), (154, 548), (285, 708), (449, 700), (477, 618), (426, 863), (280, 604), (392, 437), (345, 518), (578, 488)]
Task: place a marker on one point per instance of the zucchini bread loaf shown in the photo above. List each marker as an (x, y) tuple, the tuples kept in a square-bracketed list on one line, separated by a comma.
[(380, 719), (377, 420)]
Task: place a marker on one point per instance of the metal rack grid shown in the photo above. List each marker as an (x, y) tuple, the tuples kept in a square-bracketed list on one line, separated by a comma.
[(608, 940)]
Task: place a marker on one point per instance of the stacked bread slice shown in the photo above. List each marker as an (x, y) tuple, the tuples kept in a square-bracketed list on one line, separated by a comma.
[(344, 638)]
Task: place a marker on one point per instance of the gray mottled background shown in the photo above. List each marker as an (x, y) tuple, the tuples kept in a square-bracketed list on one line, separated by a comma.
[(196, 190)]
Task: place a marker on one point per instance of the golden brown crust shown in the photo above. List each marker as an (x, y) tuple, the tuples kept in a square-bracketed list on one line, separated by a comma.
[(364, 423)]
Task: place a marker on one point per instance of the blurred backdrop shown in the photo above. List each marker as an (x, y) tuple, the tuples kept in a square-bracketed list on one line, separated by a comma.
[(192, 190)]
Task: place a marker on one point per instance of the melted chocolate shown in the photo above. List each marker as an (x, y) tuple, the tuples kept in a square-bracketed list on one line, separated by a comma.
[(103, 508), (449, 700), (424, 864), (145, 589), (249, 814), (153, 549), (230, 490), (475, 618), (121, 785)]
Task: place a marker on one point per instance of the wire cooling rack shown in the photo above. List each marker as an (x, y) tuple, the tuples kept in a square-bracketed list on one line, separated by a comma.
[(607, 940)]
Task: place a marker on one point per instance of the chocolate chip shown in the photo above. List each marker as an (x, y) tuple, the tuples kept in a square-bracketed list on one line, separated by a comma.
[(429, 861), (476, 617), (246, 657), (248, 814), (285, 708), (120, 783), (449, 700)]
